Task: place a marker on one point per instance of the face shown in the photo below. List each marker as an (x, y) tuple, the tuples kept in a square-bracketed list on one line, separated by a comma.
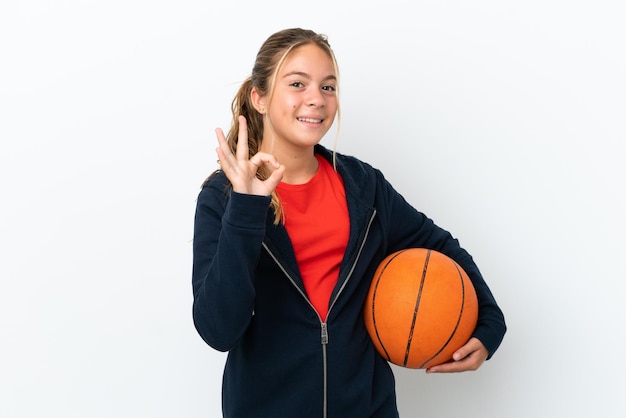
[(304, 101)]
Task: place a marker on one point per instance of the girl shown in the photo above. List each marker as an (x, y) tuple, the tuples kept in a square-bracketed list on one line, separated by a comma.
[(287, 238)]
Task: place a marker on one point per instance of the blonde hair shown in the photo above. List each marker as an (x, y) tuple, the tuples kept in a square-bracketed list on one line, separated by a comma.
[(269, 60)]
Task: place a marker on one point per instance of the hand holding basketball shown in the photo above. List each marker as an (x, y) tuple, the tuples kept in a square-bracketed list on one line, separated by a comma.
[(467, 358)]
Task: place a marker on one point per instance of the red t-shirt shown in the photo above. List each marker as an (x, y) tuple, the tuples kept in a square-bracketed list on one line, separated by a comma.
[(316, 219)]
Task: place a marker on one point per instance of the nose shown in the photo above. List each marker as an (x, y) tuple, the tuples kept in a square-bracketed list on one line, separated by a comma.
[(315, 98)]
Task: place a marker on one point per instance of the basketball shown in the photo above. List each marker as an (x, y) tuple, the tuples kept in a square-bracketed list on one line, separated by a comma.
[(421, 307)]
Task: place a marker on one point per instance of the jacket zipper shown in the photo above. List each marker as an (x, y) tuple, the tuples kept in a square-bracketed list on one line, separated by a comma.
[(323, 324), (325, 366)]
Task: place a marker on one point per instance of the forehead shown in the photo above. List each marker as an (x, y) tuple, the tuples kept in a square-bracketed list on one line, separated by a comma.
[(309, 59)]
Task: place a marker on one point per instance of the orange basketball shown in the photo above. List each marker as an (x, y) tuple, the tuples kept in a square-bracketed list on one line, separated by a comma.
[(421, 307)]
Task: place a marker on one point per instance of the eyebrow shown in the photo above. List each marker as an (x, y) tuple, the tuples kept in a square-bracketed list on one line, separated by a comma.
[(306, 75)]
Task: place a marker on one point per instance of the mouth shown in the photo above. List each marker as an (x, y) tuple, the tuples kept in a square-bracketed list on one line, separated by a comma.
[(310, 120)]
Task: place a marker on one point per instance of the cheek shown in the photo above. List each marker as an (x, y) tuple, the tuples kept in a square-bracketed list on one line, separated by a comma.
[(290, 101)]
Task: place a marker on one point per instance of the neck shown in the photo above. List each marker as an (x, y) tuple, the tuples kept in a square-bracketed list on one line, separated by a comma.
[(300, 164)]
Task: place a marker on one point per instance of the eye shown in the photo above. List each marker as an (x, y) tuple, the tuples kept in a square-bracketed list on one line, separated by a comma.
[(329, 88), (297, 84)]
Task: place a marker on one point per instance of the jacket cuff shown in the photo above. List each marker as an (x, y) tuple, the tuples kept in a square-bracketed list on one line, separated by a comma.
[(490, 338), (247, 211)]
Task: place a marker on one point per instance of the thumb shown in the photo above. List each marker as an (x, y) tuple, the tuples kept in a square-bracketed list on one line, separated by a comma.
[(472, 345), (459, 354), (276, 176)]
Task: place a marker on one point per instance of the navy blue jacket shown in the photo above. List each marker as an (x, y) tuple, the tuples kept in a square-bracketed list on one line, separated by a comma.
[(249, 300)]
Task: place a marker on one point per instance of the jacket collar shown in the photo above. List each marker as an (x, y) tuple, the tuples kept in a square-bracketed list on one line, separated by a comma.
[(359, 184)]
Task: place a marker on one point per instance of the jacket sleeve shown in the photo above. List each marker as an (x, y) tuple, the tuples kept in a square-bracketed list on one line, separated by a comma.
[(228, 235), (410, 228)]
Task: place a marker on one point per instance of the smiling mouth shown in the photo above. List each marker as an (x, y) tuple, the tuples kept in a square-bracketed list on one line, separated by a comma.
[(310, 120)]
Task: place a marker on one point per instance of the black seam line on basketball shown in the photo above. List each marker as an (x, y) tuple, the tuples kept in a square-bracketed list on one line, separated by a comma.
[(458, 320), (380, 341), (417, 305)]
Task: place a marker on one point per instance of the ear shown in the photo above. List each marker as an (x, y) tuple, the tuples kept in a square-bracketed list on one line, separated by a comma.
[(258, 101)]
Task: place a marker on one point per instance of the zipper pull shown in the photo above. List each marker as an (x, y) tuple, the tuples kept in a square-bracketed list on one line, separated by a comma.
[(324, 333)]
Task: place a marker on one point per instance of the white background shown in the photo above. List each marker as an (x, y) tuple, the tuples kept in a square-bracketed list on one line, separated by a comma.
[(503, 121)]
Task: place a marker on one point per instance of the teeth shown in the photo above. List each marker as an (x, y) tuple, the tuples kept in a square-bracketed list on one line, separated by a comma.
[(311, 120)]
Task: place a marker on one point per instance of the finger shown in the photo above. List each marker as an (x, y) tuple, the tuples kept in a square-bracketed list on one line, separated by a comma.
[(221, 158), (223, 146), (264, 158), (452, 367), (242, 139), (461, 353), (275, 178), (275, 169), (474, 344), (472, 361)]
